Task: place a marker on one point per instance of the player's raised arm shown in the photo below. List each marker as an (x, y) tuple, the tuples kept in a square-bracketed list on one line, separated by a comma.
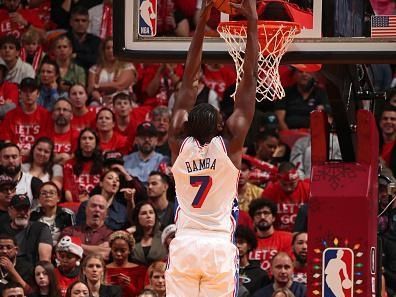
[(187, 95), (238, 123)]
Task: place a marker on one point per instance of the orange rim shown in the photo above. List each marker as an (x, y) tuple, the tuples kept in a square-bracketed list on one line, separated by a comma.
[(267, 28)]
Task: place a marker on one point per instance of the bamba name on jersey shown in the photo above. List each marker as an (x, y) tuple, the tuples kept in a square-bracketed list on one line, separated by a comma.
[(201, 164)]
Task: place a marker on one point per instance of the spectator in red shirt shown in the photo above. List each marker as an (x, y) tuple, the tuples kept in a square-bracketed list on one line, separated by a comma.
[(289, 193), (24, 124), (63, 135), (219, 77), (82, 173), (83, 116), (159, 81), (270, 241), (128, 117), (110, 140), (8, 93), (15, 20)]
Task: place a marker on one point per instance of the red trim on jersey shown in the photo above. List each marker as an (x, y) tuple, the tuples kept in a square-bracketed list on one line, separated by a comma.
[(177, 214), (223, 144), (182, 145)]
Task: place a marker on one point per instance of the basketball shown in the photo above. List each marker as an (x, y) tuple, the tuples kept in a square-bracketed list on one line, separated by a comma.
[(224, 6), (346, 284)]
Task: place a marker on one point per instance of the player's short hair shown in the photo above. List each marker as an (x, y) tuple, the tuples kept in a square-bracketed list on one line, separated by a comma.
[(202, 122), (247, 234), (260, 203)]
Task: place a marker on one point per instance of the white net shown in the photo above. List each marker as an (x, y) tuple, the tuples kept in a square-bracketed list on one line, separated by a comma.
[(274, 38)]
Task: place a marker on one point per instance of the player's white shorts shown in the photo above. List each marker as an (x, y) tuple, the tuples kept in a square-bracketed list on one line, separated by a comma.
[(202, 264)]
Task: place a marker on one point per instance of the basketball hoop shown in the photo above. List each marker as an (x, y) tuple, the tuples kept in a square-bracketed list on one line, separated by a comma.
[(274, 37)]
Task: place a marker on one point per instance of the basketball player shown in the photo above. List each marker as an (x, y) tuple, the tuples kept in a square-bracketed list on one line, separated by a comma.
[(203, 260)]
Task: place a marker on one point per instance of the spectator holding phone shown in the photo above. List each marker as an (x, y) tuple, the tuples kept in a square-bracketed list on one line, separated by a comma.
[(128, 275)]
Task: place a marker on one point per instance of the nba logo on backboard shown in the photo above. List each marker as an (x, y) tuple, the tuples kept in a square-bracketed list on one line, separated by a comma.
[(147, 18), (337, 272)]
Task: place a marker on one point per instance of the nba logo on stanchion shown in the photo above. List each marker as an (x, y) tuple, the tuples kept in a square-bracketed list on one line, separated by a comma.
[(337, 272), (147, 18)]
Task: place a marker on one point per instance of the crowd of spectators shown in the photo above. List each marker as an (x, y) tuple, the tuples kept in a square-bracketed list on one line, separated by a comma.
[(86, 193)]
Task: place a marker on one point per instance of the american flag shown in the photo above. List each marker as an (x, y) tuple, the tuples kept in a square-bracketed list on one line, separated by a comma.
[(383, 26)]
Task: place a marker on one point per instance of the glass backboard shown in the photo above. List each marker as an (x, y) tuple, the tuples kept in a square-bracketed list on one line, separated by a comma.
[(334, 31)]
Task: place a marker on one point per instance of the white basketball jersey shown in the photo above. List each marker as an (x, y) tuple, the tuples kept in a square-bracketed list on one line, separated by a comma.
[(206, 186)]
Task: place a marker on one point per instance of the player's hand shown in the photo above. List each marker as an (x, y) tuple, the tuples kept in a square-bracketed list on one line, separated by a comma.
[(245, 7), (206, 9)]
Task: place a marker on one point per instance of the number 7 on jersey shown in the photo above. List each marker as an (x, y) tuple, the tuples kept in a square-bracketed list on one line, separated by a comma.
[(204, 183)]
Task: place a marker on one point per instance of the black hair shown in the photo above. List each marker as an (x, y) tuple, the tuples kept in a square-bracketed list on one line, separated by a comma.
[(163, 176), (96, 157), (54, 290), (285, 167), (265, 135), (11, 39), (202, 122), (135, 219), (50, 62), (388, 107), (9, 144), (122, 96), (247, 234), (51, 183), (8, 237), (79, 10), (295, 235), (48, 166), (257, 204)]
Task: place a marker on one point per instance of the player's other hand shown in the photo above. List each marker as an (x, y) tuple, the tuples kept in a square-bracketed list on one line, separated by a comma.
[(245, 7)]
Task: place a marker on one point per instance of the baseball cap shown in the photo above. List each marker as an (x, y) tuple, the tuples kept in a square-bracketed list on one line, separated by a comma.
[(29, 83), (146, 129), (20, 201), (270, 121), (113, 157), (5, 180)]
